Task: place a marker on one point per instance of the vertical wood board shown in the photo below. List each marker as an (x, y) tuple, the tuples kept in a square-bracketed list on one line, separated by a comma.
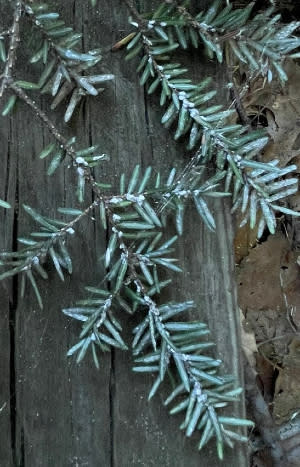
[(73, 415)]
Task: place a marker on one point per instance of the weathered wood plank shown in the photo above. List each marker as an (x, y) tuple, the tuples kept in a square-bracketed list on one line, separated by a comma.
[(69, 415), (7, 305), (62, 409), (144, 432), (57, 402)]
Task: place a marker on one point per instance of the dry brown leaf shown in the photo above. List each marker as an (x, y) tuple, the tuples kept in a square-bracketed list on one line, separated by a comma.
[(244, 240), (287, 394), (259, 286), (280, 108), (248, 343)]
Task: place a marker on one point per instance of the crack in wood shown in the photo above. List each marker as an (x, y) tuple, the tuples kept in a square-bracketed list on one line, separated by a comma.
[(22, 449), (13, 305), (112, 395)]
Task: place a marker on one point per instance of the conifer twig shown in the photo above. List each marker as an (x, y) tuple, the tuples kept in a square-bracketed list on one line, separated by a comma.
[(135, 14), (163, 76), (133, 262), (215, 36), (13, 45), (47, 244), (55, 132), (5, 33)]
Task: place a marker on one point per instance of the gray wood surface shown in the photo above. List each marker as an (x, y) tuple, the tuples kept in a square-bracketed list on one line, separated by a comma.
[(7, 305), (52, 411)]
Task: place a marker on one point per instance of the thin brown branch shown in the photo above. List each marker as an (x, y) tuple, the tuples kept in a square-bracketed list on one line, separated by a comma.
[(194, 23), (237, 102), (67, 229), (263, 419), (13, 45), (5, 33), (214, 35), (69, 150), (135, 14), (38, 25), (234, 93)]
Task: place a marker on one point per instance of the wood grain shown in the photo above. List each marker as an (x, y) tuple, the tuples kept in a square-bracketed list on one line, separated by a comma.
[(69, 415)]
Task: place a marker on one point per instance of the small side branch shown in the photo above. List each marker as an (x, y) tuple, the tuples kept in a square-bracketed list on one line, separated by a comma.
[(135, 14), (5, 33), (55, 132), (13, 45), (263, 418)]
